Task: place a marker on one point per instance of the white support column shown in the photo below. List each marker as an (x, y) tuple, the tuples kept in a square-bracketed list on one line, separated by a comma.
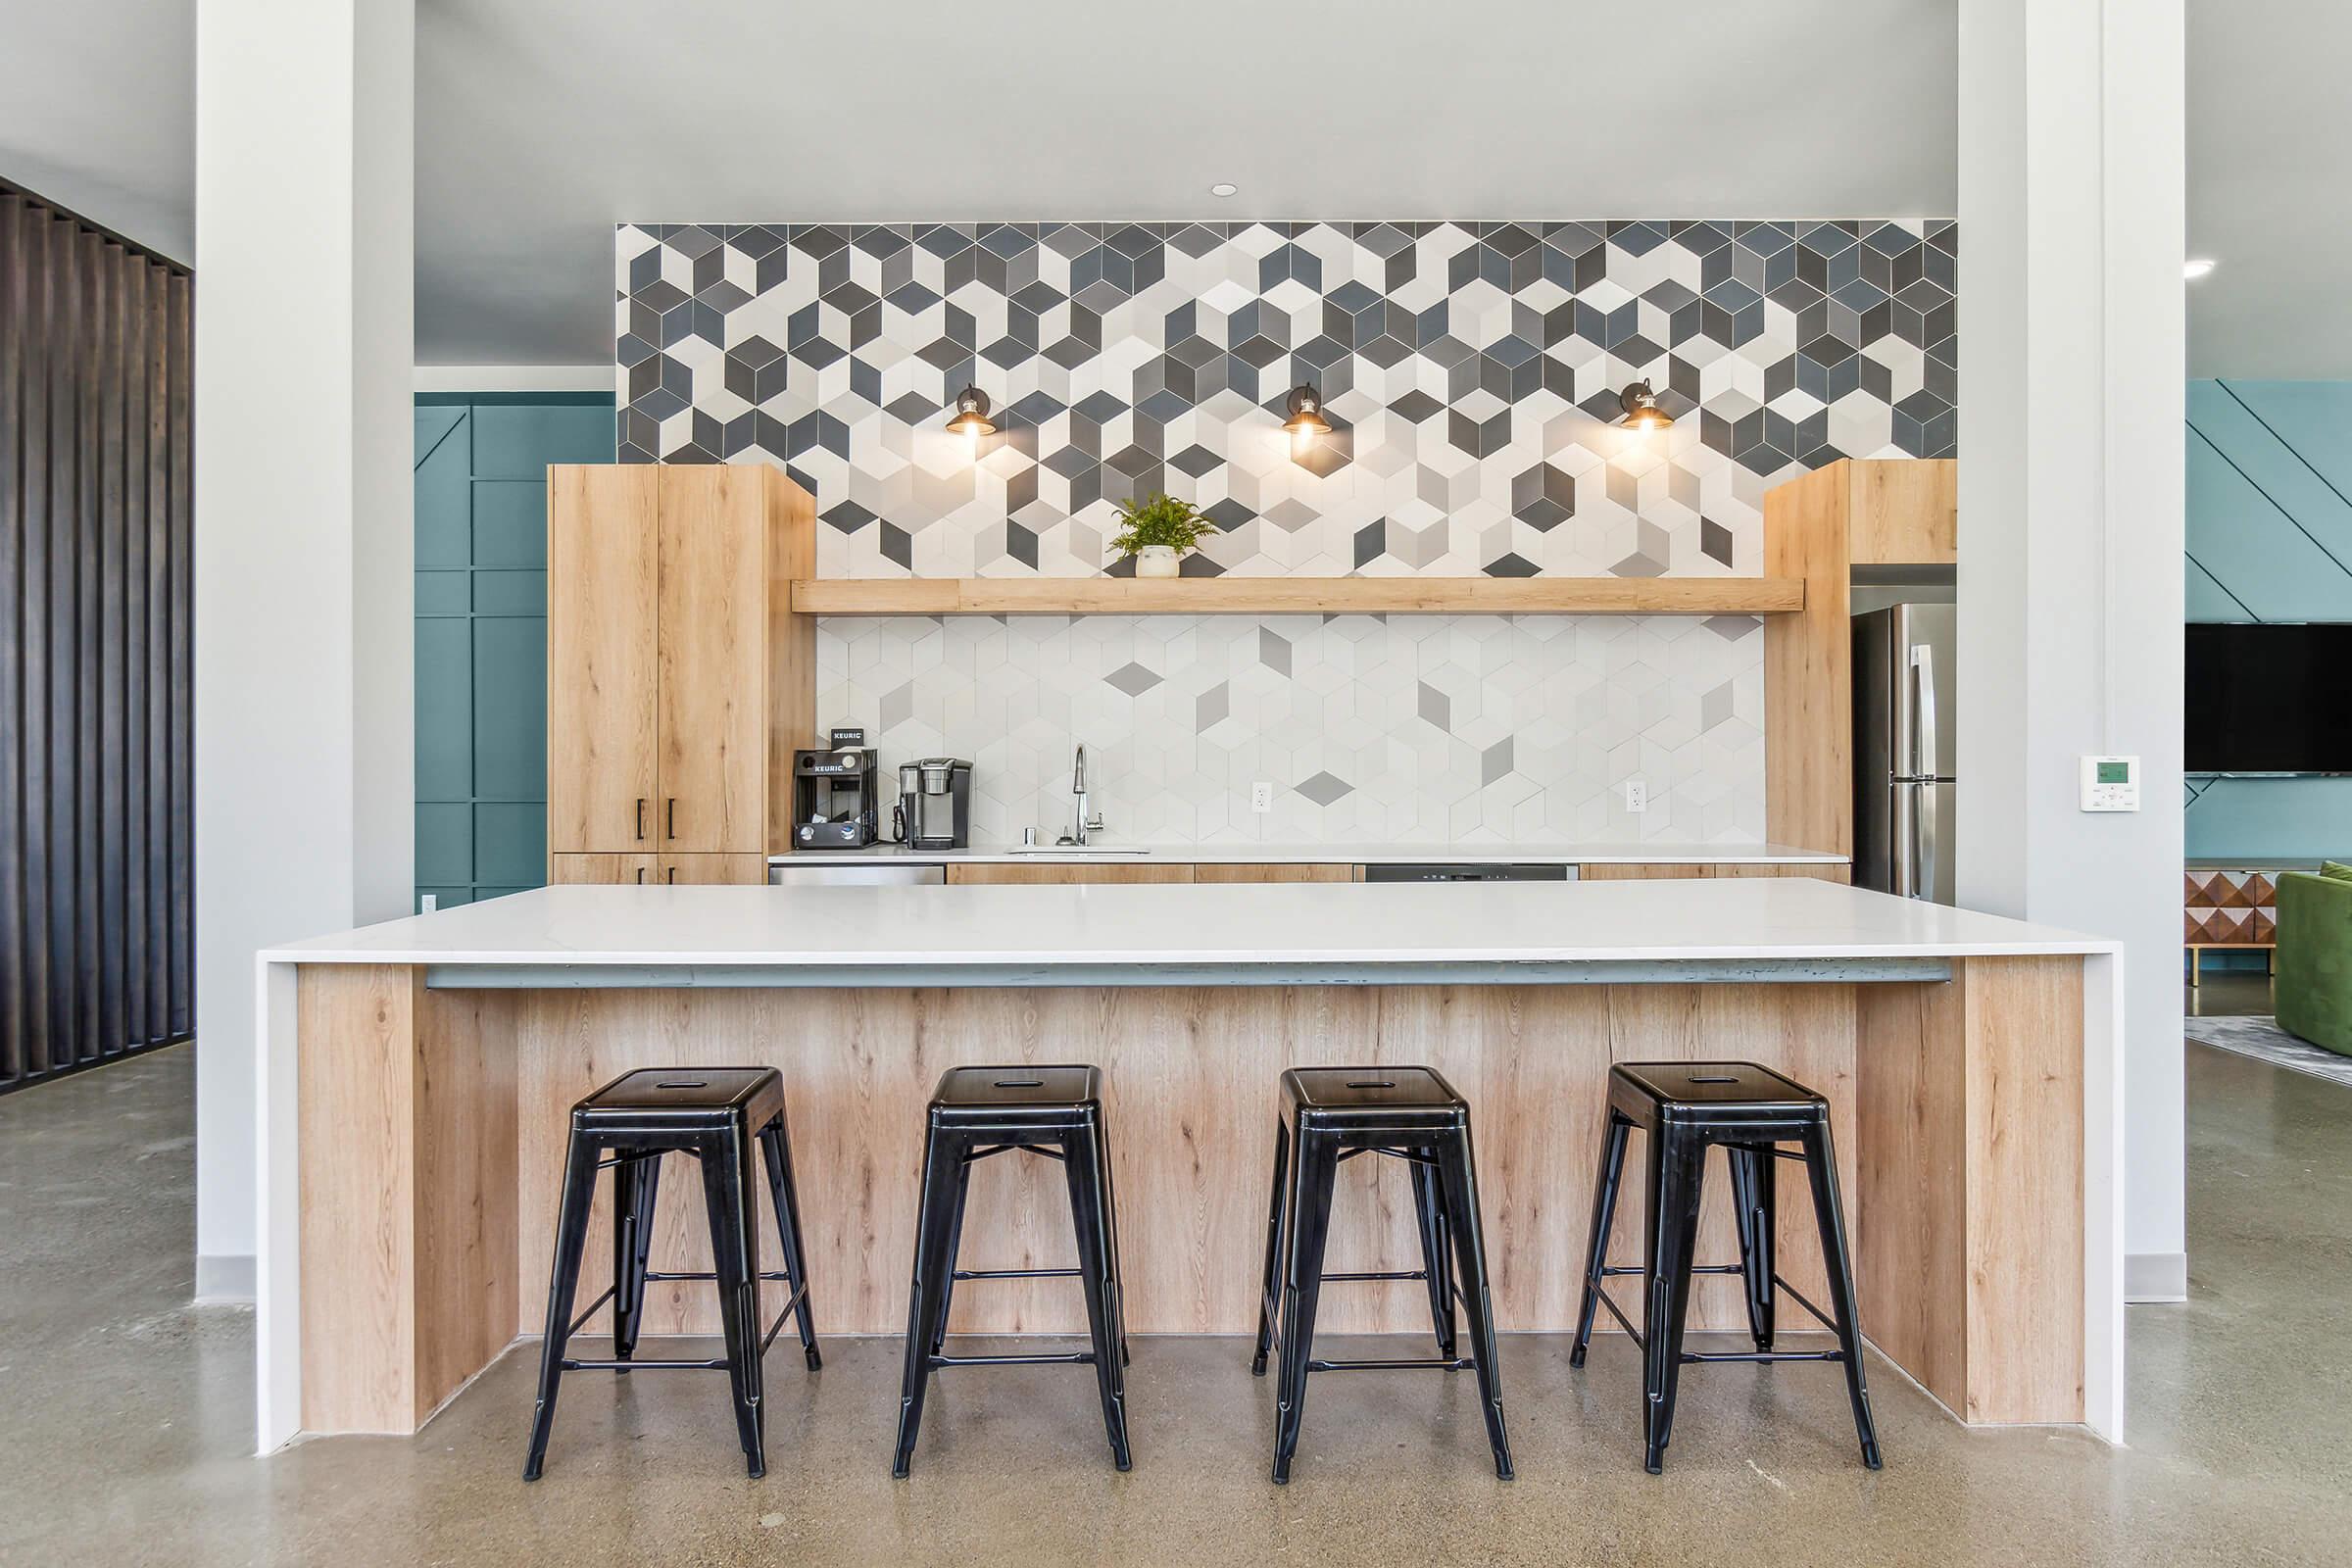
[(2071, 170), (305, 343)]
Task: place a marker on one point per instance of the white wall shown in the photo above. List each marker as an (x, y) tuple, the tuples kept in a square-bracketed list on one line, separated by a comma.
[(2070, 500), (303, 600)]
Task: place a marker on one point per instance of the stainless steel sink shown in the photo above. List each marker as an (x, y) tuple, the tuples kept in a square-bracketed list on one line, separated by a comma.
[(1076, 849)]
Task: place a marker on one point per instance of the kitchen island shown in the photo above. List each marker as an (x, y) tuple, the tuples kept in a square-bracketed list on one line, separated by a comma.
[(417, 1075)]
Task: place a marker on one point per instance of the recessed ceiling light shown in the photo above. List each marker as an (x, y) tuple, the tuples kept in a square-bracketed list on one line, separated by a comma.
[(2196, 266), (1224, 188)]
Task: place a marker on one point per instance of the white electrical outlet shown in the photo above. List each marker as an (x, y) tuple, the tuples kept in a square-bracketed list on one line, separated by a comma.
[(1261, 796), (427, 903), (1637, 795)]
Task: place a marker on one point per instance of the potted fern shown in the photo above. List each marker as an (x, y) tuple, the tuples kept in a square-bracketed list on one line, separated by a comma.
[(1156, 531)]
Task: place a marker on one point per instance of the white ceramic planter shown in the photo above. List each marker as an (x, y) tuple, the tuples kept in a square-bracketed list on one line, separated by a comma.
[(1155, 561)]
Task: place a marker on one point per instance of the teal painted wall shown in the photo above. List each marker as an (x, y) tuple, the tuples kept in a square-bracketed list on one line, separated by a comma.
[(481, 630), (2270, 539)]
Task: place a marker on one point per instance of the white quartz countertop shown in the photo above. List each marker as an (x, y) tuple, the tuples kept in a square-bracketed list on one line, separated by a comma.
[(1677, 853), (1221, 925)]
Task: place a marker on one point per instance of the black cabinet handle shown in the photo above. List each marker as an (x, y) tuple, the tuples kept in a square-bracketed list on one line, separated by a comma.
[(641, 820), (674, 876), (672, 826), (640, 877)]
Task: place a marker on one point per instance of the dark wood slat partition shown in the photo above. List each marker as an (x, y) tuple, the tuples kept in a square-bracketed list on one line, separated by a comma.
[(95, 827)]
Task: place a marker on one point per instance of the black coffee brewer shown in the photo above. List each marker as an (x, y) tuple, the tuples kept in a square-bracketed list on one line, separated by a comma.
[(836, 804)]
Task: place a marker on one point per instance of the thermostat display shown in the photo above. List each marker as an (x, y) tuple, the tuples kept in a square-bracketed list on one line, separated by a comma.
[(2111, 783)]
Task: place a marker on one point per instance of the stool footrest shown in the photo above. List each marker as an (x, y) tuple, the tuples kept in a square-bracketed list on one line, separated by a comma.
[(1410, 1363), (1386, 1274), (1015, 1274), (715, 1364), (1071, 1358), (650, 1276)]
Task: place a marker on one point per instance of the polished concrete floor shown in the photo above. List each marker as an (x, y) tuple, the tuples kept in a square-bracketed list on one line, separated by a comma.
[(126, 1417)]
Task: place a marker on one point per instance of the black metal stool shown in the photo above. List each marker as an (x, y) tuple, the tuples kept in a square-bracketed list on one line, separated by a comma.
[(977, 1112), (1682, 1107), (1329, 1116), (715, 1115)]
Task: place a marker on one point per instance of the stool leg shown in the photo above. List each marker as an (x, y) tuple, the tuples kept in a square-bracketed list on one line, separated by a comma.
[(1458, 1180), (1753, 1185), (1272, 1281), (1596, 1238), (1821, 1165), (1314, 1166), (1086, 1164), (1436, 1240), (563, 1280), (728, 1177), (1677, 1166), (636, 1182), (927, 1295), (776, 1144), (946, 1284)]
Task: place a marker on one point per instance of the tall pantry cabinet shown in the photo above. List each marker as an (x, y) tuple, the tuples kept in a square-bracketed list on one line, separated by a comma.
[(679, 677)]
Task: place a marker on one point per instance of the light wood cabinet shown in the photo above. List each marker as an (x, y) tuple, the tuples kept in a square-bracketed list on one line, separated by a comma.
[(602, 649), (679, 678), (746, 870), (1293, 872), (1710, 870)]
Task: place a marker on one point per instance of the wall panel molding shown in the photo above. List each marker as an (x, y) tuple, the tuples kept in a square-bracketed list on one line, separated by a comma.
[(96, 845)]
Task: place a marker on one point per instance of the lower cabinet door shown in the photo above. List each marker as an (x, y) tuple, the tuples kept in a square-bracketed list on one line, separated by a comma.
[(1065, 873), (743, 870), (562, 869)]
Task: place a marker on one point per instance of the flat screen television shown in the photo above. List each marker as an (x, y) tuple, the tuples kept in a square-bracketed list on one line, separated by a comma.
[(2271, 699)]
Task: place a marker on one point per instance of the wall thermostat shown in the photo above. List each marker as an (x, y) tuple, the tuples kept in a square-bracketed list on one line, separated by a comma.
[(2111, 783)]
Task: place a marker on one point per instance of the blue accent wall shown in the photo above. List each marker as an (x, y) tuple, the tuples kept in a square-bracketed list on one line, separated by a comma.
[(2270, 539), (481, 630)]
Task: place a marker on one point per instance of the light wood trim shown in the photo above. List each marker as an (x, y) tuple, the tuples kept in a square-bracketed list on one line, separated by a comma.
[(1062, 873), (1298, 596), (711, 870), (409, 1183), (713, 663), (1697, 871), (565, 870), (602, 654), (1905, 512), (1969, 1206), (1808, 667), (1275, 871), (791, 647)]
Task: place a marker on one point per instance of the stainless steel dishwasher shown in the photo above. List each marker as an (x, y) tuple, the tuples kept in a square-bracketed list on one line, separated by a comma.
[(854, 874), (1470, 871)]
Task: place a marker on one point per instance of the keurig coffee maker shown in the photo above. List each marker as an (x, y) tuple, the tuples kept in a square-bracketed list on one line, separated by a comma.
[(836, 801), (935, 804)]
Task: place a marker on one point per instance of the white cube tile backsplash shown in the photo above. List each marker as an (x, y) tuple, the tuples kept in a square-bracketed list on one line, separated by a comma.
[(1477, 729)]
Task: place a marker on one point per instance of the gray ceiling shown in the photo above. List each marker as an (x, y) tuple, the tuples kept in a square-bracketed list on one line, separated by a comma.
[(541, 123)]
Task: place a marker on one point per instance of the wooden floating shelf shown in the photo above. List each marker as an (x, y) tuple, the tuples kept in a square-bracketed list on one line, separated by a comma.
[(1298, 595)]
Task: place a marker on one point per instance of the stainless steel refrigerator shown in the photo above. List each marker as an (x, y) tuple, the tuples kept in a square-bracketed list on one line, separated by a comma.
[(1904, 761)]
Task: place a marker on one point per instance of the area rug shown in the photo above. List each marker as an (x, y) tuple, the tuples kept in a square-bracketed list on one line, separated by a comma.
[(2261, 1038)]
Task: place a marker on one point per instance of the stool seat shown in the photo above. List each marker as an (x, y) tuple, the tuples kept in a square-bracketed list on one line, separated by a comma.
[(685, 1097), (1718, 1091), (1387, 1096), (1018, 1096), (1682, 1109)]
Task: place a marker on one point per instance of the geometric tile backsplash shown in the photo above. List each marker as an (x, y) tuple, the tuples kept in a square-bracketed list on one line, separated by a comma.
[(1469, 370)]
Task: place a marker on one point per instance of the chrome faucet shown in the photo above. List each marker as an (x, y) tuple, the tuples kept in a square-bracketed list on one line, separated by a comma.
[(1083, 823)]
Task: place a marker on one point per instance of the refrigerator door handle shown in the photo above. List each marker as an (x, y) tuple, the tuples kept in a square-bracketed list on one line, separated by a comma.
[(1923, 710), (1902, 865), (1925, 839)]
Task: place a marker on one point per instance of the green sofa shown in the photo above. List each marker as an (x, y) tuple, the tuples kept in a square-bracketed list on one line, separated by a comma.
[(2313, 987)]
